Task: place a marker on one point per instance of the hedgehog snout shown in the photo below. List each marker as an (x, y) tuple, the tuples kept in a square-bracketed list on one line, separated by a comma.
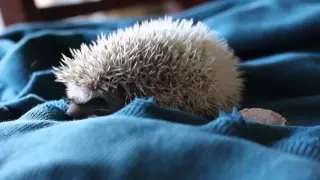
[(99, 106), (74, 111), (81, 111)]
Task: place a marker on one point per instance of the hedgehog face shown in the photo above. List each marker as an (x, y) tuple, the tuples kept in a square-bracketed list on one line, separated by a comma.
[(83, 104)]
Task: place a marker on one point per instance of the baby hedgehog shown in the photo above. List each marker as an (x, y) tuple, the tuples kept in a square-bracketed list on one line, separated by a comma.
[(181, 64)]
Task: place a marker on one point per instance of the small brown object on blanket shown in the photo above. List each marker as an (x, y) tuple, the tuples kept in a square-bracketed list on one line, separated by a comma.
[(263, 116)]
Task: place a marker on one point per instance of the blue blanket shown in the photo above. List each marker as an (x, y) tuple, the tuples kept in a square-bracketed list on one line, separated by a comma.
[(278, 42)]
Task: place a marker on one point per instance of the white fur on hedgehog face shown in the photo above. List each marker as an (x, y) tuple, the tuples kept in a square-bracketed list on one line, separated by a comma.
[(79, 95)]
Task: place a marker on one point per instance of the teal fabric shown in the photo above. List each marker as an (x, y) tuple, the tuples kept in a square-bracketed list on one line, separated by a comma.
[(278, 43)]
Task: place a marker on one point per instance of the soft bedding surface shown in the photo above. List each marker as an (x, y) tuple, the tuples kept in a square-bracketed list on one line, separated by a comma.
[(278, 42)]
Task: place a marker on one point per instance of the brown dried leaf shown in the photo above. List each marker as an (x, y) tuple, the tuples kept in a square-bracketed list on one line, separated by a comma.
[(263, 116)]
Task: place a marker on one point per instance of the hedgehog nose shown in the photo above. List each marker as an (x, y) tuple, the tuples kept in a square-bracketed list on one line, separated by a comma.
[(74, 111)]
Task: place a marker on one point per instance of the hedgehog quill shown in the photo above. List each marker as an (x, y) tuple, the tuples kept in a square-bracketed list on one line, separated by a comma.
[(180, 63)]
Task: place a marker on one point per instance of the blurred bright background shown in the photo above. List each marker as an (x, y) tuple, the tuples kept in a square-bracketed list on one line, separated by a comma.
[(21, 11)]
